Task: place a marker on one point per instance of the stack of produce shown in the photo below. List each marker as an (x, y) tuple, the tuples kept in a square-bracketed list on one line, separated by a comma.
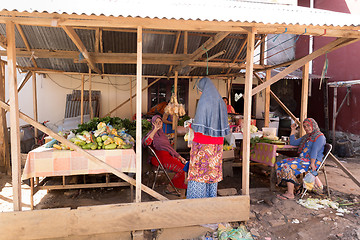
[(104, 137)]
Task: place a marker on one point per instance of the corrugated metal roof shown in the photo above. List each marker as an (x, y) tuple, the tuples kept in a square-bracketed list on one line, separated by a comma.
[(205, 10), (297, 74)]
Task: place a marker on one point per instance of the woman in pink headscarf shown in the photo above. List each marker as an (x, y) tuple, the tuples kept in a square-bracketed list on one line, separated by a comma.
[(168, 157)]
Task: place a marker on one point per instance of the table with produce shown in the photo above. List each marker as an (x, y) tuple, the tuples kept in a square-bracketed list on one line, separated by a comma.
[(109, 139)]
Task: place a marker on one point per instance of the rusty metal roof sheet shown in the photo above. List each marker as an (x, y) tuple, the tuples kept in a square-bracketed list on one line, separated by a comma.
[(204, 10)]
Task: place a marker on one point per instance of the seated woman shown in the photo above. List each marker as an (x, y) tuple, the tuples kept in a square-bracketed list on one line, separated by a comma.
[(229, 108), (311, 148), (168, 157)]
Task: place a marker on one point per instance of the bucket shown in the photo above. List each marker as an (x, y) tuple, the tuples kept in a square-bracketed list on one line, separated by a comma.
[(269, 131)]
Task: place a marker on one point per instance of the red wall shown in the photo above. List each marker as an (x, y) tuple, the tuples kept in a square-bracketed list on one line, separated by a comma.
[(344, 65)]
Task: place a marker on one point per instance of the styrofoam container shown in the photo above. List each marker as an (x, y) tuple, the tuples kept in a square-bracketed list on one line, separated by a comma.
[(269, 131)]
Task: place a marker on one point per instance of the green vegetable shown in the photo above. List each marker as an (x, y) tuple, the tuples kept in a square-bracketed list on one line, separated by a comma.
[(86, 146), (99, 139), (110, 146), (94, 146)]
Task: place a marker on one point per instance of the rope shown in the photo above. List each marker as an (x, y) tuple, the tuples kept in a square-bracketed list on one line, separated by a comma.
[(324, 71), (207, 60)]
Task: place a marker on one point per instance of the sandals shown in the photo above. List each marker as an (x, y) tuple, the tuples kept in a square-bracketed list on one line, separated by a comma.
[(283, 197)]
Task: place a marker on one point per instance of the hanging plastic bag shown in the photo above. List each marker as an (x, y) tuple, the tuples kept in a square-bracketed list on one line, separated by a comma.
[(309, 180)]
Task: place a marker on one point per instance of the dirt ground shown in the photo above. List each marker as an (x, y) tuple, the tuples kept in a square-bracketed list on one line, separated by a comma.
[(270, 218)]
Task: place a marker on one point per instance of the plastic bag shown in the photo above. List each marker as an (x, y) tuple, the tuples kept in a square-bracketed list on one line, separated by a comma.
[(309, 181)]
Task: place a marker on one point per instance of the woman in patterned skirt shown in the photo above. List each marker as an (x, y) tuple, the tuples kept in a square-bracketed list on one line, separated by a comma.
[(210, 126), (311, 148)]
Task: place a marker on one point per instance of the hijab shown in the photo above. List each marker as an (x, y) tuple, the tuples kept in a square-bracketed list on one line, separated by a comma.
[(211, 116), (313, 136), (160, 141)]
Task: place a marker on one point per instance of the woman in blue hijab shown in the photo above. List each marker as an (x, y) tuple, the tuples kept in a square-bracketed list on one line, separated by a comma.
[(210, 127)]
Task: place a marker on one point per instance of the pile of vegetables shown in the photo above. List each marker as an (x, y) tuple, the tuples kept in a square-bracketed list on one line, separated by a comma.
[(117, 123), (104, 137)]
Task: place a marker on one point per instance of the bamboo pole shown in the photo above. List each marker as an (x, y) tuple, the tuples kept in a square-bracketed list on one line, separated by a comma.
[(35, 107), (90, 98), (138, 114), (82, 100), (247, 112), (14, 116)]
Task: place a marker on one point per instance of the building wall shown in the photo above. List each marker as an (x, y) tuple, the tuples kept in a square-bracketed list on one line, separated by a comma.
[(343, 66)]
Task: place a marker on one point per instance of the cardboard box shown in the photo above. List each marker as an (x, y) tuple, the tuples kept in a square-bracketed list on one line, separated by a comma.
[(228, 154)]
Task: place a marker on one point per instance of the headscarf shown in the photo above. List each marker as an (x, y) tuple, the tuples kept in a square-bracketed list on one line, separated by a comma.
[(160, 141), (313, 136), (211, 116)]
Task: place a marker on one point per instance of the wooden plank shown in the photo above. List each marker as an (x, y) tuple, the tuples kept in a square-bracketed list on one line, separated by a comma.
[(126, 101), (325, 49), (21, 225), (177, 39), (186, 36), (35, 107), (262, 49), (272, 94), (175, 118), (89, 156), (340, 165), (14, 117), (82, 100), (304, 97), (22, 34), (79, 44), (267, 100), (44, 19), (247, 112), (138, 114), (209, 44), (65, 222), (90, 99), (131, 102), (90, 185), (3, 124)]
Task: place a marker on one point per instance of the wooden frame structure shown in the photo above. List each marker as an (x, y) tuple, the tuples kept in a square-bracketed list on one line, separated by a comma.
[(144, 215)]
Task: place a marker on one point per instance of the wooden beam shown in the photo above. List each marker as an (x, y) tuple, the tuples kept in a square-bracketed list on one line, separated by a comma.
[(79, 44), (177, 39), (90, 98), (247, 112), (46, 19), (88, 155), (131, 102), (262, 49), (304, 97), (14, 116), (138, 113), (237, 55), (82, 100), (126, 101), (3, 41), (35, 106), (175, 118), (299, 63), (282, 105), (22, 34), (4, 136), (66, 223), (186, 36), (267, 99), (209, 44), (342, 167)]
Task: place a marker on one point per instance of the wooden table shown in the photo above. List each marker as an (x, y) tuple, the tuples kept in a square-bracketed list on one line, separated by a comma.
[(48, 162), (266, 153)]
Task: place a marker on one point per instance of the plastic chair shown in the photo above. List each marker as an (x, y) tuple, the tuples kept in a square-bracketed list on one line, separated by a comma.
[(160, 167), (327, 150)]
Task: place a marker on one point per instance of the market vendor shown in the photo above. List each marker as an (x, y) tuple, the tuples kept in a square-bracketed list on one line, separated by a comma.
[(229, 108)]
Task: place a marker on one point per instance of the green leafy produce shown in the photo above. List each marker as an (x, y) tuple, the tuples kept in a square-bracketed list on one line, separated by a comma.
[(182, 120)]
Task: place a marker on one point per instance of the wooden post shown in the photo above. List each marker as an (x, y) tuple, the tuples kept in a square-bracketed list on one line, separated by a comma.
[(14, 116), (267, 100), (138, 113), (334, 118), (185, 42), (82, 99), (35, 105), (131, 103), (6, 153), (3, 125), (247, 111), (326, 108), (90, 99), (262, 50), (304, 97), (175, 118)]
